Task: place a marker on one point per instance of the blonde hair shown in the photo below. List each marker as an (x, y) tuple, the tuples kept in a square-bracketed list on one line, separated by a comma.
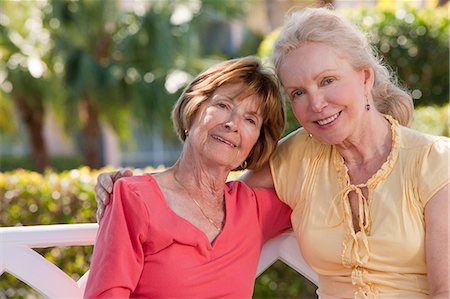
[(257, 80), (326, 26)]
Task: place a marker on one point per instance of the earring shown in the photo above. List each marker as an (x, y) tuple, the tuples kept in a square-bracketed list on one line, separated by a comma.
[(310, 135), (367, 105), (244, 164), (186, 133)]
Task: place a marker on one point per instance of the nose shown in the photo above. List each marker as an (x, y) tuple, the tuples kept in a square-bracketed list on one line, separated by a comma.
[(231, 126), (318, 102), (232, 123)]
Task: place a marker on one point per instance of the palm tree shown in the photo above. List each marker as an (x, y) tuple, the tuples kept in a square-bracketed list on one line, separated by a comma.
[(116, 61), (113, 61), (27, 79), (85, 35)]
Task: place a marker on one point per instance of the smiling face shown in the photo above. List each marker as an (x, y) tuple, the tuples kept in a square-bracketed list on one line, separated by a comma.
[(226, 127), (327, 94)]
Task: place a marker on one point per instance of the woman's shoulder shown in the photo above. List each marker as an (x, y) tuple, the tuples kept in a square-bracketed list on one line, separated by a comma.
[(236, 186), (297, 136), (135, 182), (141, 188), (299, 143), (425, 158), (415, 140), (131, 195), (240, 188)]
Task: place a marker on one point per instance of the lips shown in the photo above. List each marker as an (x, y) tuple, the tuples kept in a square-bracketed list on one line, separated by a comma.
[(328, 120), (227, 142)]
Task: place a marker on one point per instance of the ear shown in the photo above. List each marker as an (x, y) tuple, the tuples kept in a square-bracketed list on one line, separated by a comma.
[(369, 79)]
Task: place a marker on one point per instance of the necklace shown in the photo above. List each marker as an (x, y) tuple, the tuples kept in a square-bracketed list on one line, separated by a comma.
[(217, 227)]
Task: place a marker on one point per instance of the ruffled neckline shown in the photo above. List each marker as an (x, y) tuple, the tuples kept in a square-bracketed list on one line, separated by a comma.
[(382, 172)]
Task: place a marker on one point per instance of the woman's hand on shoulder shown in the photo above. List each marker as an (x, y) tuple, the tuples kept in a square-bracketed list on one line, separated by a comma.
[(104, 188), (437, 240)]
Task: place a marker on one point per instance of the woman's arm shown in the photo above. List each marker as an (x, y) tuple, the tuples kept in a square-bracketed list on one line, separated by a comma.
[(437, 239), (258, 178), (118, 256)]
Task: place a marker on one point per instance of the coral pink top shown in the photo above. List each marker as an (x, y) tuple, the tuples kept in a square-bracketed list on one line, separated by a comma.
[(145, 250)]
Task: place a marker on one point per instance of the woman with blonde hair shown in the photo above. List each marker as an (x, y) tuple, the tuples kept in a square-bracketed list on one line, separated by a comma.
[(370, 197)]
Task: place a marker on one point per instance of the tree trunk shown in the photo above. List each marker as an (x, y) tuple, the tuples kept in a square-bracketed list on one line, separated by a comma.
[(32, 116), (91, 133)]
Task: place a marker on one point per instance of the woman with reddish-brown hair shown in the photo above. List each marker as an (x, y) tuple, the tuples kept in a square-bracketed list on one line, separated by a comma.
[(186, 232)]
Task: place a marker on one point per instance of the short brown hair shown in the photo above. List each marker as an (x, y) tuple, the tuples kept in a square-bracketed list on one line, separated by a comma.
[(257, 80)]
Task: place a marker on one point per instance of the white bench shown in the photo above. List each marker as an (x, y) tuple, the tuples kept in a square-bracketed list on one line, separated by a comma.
[(18, 258)]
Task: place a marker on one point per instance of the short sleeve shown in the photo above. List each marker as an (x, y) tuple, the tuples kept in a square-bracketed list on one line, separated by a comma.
[(434, 169), (296, 159), (118, 256), (273, 215), (283, 169)]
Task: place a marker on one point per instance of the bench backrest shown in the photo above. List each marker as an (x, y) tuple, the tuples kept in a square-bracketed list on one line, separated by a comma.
[(18, 258)]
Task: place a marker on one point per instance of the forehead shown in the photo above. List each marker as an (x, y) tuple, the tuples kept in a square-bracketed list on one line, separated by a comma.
[(310, 59), (239, 92)]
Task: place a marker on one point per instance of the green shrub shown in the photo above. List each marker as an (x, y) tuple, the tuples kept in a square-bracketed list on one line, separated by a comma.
[(30, 198), (415, 43), (433, 120), (281, 281)]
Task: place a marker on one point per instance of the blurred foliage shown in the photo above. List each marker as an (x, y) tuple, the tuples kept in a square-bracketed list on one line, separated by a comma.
[(111, 61), (31, 198), (85, 38), (433, 120), (26, 81), (59, 163), (415, 43), (281, 281)]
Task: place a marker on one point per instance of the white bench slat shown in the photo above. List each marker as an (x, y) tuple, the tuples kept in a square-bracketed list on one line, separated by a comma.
[(18, 258), (42, 275)]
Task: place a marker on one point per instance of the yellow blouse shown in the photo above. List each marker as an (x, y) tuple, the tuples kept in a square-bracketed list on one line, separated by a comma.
[(386, 258)]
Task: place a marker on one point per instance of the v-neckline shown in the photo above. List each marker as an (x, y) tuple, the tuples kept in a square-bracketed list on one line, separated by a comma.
[(177, 217)]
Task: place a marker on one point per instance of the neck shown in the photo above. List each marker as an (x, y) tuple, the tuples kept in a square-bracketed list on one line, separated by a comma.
[(199, 179), (372, 143)]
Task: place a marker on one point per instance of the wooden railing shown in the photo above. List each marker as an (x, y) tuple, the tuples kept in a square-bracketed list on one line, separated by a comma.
[(18, 258)]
